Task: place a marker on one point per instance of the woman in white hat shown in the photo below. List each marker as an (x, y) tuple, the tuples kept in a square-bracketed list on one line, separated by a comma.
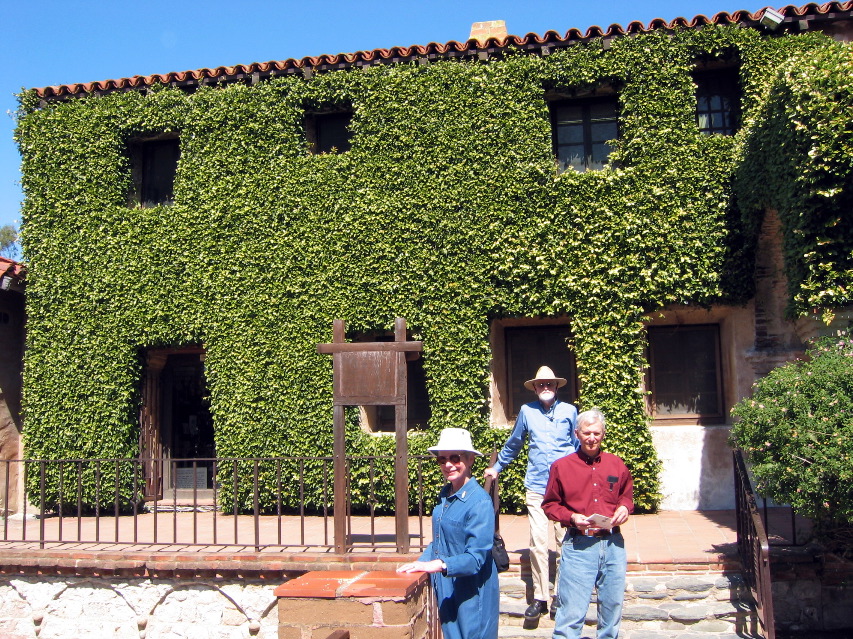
[(459, 558)]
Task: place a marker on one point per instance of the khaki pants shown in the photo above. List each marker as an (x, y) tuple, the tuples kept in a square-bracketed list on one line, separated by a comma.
[(539, 525)]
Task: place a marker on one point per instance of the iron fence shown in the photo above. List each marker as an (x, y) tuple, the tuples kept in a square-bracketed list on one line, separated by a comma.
[(230, 503), (753, 547)]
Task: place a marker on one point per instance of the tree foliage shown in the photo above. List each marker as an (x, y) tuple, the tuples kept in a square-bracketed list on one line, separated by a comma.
[(8, 241), (797, 432)]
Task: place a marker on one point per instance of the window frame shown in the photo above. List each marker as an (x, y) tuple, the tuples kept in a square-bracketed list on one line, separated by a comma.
[(716, 417), (723, 82), (503, 409), (586, 123), (316, 124), (140, 150)]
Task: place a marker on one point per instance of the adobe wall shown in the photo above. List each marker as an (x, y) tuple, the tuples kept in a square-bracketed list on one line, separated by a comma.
[(754, 339)]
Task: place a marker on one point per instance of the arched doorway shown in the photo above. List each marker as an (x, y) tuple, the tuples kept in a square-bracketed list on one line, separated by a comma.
[(176, 427)]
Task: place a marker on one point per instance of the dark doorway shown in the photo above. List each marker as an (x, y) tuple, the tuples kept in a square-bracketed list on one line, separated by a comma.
[(176, 424), (187, 425)]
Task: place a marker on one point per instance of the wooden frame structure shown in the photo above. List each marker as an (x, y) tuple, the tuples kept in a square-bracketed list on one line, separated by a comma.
[(371, 374)]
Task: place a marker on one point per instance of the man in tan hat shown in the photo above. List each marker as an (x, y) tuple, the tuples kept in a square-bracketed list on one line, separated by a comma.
[(549, 427)]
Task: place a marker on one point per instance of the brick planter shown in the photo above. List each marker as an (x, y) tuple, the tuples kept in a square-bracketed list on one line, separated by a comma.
[(370, 605)]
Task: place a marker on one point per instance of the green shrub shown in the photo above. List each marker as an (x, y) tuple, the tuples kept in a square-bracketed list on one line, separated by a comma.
[(797, 432)]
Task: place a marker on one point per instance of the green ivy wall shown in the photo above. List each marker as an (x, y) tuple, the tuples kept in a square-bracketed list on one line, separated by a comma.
[(447, 211)]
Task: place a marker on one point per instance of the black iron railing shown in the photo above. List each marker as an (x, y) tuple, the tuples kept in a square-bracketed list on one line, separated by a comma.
[(753, 547), (231, 503)]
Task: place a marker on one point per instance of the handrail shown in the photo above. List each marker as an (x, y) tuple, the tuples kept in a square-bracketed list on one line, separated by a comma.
[(753, 546)]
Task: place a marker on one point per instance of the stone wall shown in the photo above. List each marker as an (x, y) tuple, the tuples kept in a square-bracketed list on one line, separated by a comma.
[(108, 606), (811, 590), (53, 594)]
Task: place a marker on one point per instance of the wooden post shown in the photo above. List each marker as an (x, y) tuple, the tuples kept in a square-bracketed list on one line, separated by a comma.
[(401, 430), (340, 458)]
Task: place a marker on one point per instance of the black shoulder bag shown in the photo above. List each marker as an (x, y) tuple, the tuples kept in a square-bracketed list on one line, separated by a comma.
[(499, 553)]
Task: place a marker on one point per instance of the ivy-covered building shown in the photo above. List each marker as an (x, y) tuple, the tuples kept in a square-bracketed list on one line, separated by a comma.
[(660, 213)]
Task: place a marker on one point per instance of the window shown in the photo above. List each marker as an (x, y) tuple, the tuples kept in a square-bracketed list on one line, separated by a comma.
[(329, 132), (717, 100), (155, 163), (684, 371), (528, 348), (581, 129), (381, 419)]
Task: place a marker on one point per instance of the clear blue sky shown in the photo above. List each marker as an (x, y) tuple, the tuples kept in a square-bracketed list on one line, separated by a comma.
[(51, 42)]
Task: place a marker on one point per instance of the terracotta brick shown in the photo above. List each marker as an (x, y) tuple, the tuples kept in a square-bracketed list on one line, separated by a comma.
[(313, 611), (384, 584), (374, 632), (399, 612), (324, 584), (289, 632)]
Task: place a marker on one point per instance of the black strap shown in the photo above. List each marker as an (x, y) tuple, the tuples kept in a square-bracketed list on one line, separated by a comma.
[(493, 488)]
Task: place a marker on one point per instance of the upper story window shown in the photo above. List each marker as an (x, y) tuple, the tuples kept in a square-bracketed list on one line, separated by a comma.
[(717, 100), (528, 348), (581, 129), (329, 132), (154, 164), (685, 377)]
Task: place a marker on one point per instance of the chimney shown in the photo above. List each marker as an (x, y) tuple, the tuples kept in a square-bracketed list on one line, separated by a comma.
[(481, 31)]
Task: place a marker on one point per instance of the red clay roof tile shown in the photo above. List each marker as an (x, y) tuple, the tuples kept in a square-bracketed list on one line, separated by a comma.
[(812, 11)]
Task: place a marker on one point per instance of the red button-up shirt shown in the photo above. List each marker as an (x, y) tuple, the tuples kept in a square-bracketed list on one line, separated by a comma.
[(588, 486)]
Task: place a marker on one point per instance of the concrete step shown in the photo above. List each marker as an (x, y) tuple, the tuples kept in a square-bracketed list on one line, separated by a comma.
[(658, 605)]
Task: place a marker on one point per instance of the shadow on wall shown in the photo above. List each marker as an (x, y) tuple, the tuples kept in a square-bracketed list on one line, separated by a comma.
[(697, 467)]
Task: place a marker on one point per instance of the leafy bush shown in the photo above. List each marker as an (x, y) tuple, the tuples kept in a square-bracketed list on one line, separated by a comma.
[(797, 432)]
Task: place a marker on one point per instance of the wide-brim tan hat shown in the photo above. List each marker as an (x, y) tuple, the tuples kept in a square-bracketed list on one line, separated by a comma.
[(454, 439), (545, 374)]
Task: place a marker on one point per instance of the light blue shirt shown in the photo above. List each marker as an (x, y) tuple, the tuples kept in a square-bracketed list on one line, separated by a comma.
[(550, 434)]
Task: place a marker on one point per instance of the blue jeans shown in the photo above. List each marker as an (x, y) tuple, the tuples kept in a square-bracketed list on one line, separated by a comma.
[(591, 562)]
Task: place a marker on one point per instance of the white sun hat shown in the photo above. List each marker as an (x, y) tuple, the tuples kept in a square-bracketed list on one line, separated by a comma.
[(454, 439)]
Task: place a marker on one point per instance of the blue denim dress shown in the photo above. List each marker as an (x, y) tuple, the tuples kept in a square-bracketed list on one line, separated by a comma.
[(463, 527)]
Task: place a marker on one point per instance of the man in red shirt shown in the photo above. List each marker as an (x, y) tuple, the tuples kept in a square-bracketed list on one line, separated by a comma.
[(591, 493)]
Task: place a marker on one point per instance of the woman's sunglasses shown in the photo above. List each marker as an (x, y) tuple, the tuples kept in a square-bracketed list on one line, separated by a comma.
[(454, 459)]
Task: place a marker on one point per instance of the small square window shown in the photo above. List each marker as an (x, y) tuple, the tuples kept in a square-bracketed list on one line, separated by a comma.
[(581, 129), (717, 100), (684, 371), (329, 132), (154, 165)]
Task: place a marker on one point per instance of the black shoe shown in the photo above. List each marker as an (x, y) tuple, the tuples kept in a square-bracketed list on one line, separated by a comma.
[(535, 610)]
